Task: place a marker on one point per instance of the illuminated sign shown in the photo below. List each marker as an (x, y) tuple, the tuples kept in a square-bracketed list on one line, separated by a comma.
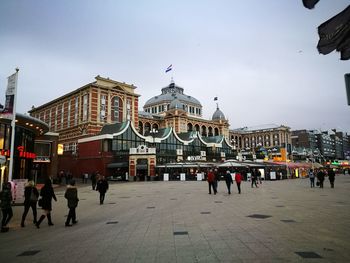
[(60, 149), (21, 153)]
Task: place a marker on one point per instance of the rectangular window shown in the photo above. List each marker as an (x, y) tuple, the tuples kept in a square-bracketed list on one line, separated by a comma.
[(74, 147), (85, 107), (103, 109), (62, 115), (50, 112), (76, 111), (44, 120), (68, 116), (128, 109), (56, 113)]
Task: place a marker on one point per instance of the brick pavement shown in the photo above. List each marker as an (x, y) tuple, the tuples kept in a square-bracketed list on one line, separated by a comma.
[(181, 222)]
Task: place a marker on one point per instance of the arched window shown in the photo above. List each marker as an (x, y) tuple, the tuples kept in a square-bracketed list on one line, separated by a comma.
[(117, 109), (189, 127), (204, 131), (155, 126), (147, 128), (210, 131), (197, 127), (140, 127), (216, 131)]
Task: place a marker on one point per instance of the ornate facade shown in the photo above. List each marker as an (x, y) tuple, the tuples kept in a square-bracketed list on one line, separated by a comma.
[(84, 111), (173, 108)]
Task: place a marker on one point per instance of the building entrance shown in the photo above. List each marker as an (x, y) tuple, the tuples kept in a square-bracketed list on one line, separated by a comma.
[(142, 170)]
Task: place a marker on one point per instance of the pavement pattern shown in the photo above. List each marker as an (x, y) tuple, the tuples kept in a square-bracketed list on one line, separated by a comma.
[(281, 221)]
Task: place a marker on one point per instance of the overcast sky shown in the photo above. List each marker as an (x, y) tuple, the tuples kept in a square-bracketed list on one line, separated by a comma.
[(258, 57)]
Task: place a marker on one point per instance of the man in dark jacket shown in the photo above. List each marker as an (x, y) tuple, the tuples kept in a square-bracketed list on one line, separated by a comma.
[(71, 195), (320, 177), (102, 187), (229, 181), (31, 195), (331, 177)]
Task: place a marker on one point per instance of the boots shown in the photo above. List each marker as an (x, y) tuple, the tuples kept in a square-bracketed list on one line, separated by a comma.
[(40, 220), (49, 219)]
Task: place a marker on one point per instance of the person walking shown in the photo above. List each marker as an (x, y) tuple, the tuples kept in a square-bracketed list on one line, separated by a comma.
[(254, 178), (331, 177), (71, 195), (31, 195), (211, 181), (47, 194), (320, 177), (102, 187), (93, 180), (5, 205), (312, 178), (229, 181), (238, 179), (216, 179)]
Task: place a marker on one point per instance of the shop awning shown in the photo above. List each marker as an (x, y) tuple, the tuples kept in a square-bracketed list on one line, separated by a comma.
[(117, 165)]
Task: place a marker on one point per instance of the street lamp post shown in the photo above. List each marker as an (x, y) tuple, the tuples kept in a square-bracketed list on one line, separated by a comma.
[(153, 133)]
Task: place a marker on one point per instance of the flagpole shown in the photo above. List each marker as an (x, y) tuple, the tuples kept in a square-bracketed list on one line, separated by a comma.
[(13, 124)]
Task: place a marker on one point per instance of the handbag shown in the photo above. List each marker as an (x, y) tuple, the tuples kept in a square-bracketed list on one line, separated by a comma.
[(40, 202)]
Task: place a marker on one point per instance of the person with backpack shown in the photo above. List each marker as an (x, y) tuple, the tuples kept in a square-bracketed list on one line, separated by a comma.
[(31, 195), (312, 178)]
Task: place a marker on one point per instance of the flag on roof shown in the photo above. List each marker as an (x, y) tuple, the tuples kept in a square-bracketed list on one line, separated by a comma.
[(215, 98), (169, 68)]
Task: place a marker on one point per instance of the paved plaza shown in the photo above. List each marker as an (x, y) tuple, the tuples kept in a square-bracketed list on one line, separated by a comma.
[(281, 221)]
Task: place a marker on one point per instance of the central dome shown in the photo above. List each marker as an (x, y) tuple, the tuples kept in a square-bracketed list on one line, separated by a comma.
[(218, 115), (161, 103)]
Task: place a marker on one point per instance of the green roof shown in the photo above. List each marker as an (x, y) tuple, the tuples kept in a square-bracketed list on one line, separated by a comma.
[(113, 128)]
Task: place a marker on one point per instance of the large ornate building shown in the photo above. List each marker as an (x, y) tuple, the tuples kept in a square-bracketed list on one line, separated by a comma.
[(100, 128)]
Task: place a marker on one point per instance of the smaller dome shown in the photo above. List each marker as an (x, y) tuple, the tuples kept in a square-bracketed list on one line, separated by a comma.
[(176, 104), (218, 115)]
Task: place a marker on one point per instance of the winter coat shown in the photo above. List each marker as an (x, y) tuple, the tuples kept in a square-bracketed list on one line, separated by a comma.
[(28, 192), (47, 194), (71, 195), (238, 177), (211, 177), (5, 198), (228, 178), (320, 176), (331, 175), (102, 186)]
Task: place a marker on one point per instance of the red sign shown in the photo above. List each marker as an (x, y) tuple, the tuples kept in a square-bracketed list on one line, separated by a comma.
[(22, 153)]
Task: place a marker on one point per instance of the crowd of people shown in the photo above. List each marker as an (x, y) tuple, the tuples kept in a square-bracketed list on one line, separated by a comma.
[(43, 198), (32, 197), (319, 175)]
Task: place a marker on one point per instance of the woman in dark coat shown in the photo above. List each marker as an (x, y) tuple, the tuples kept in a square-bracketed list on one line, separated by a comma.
[(47, 195), (5, 205), (31, 195)]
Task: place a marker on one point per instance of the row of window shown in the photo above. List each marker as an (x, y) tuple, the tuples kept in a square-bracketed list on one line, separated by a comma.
[(55, 117), (166, 107)]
